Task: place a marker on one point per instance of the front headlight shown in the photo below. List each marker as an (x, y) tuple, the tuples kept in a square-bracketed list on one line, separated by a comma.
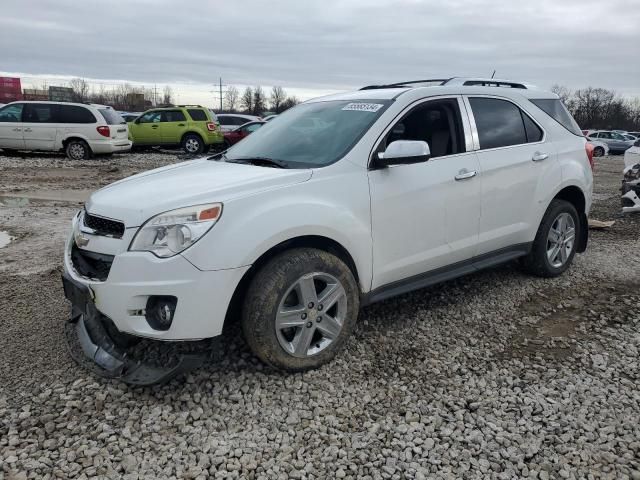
[(172, 232)]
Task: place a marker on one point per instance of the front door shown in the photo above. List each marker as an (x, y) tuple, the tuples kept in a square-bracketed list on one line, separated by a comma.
[(425, 215), (39, 126), (11, 126), (146, 129)]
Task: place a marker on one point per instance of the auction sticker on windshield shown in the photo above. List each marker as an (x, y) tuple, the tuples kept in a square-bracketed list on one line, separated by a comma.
[(363, 107)]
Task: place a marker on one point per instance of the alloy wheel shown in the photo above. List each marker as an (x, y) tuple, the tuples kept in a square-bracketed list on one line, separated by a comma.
[(560, 240), (192, 145), (311, 314)]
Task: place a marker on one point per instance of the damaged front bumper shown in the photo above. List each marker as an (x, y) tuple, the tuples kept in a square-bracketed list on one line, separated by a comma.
[(92, 346)]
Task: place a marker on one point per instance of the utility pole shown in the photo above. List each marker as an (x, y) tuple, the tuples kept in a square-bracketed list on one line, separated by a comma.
[(221, 94), (155, 95)]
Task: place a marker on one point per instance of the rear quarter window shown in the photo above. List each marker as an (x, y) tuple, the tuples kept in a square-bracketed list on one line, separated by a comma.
[(556, 110), (75, 114), (111, 116), (198, 115)]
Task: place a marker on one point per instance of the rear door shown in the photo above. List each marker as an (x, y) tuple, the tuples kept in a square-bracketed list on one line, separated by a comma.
[(173, 125), (11, 126), (146, 129), (39, 126), (74, 119), (517, 166)]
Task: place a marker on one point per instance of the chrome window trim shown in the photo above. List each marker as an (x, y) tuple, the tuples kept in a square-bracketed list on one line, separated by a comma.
[(474, 128), (466, 127)]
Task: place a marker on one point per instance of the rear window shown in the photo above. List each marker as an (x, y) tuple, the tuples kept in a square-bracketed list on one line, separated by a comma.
[(198, 115), (111, 116), (74, 114), (556, 110)]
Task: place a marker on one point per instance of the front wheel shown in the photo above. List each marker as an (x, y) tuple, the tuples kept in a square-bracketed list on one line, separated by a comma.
[(555, 244), (300, 309), (192, 144), (598, 152)]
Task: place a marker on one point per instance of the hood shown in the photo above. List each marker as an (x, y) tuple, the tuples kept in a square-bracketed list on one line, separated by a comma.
[(137, 198)]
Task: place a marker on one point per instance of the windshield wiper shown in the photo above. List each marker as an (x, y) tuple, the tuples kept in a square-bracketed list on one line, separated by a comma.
[(260, 161)]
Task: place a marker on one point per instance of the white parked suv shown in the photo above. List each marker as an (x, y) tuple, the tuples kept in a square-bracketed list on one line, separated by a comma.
[(77, 129), (290, 232)]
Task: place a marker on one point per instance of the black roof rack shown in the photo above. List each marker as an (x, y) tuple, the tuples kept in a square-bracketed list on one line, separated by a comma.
[(482, 82), (438, 81)]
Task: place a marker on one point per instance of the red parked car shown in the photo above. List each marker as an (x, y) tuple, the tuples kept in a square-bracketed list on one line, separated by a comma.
[(237, 134)]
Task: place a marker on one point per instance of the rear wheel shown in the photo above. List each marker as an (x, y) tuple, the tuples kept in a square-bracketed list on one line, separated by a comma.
[(192, 144), (300, 309), (555, 244), (78, 150), (598, 152)]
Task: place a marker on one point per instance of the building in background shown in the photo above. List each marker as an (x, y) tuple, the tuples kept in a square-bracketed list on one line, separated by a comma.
[(35, 94), (61, 94), (10, 89)]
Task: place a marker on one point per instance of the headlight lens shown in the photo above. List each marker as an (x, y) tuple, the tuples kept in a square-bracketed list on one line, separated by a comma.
[(170, 233)]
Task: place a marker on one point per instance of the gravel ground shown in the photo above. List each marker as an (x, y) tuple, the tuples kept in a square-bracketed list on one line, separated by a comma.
[(496, 375)]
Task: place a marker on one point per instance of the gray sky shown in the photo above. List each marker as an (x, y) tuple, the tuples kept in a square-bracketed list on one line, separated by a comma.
[(312, 47)]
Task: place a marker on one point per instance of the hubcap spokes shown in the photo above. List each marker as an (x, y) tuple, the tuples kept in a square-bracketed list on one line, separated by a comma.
[(192, 145), (311, 314), (560, 240)]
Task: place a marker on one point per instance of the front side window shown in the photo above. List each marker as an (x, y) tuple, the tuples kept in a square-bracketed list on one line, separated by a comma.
[(38, 113), (11, 113), (173, 116), (501, 123), (74, 114), (436, 122), (150, 117), (311, 134), (198, 115), (617, 136), (604, 135)]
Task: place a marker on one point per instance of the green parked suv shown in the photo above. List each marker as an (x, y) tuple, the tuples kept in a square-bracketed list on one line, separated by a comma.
[(188, 126)]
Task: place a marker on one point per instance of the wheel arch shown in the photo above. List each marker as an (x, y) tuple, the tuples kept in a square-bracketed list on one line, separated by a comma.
[(319, 242), (574, 195), (191, 132), (70, 138)]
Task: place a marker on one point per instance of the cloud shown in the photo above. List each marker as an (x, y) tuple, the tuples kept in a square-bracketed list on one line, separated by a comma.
[(325, 45)]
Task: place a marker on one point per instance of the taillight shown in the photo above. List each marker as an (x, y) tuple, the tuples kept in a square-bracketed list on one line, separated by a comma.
[(589, 149), (211, 126), (104, 131)]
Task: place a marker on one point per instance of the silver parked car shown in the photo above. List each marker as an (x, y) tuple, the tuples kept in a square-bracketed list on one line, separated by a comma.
[(616, 141)]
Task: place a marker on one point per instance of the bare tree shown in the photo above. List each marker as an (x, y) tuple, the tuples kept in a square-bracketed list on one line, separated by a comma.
[(167, 95), (231, 97), (288, 103), (563, 92), (246, 102), (259, 101), (278, 95), (80, 89)]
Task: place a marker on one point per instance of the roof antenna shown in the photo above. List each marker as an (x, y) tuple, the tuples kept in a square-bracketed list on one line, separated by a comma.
[(493, 74)]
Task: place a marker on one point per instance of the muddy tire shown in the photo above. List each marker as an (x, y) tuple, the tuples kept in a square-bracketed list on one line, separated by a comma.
[(192, 144), (78, 150), (598, 152), (556, 240), (300, 309)]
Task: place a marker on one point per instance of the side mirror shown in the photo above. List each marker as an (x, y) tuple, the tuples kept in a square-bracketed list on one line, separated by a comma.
[(402, 152)]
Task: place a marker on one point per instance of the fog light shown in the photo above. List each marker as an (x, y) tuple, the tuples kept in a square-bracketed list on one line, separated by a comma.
[(160, 311)]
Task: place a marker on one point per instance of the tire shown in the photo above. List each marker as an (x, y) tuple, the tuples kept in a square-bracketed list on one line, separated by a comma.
[(313, 339), (598, 152), (544, 260), (192, 144), (78, 150)]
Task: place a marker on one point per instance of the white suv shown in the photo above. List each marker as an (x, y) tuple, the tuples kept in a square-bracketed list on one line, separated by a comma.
[(78, 129), (294, 229)]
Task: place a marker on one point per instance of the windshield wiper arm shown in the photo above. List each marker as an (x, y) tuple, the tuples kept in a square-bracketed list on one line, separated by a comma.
[(260, 161)]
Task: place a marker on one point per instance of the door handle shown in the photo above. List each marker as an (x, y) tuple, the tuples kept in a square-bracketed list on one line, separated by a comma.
[(539, 156), (181, 124), (154, 126), (28, 130), (17, 129), (464, 174)]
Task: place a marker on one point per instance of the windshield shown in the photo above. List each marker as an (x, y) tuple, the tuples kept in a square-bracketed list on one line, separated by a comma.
[(312, 134)]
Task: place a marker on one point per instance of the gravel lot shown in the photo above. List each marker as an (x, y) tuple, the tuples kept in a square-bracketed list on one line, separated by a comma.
[(497, 375)]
